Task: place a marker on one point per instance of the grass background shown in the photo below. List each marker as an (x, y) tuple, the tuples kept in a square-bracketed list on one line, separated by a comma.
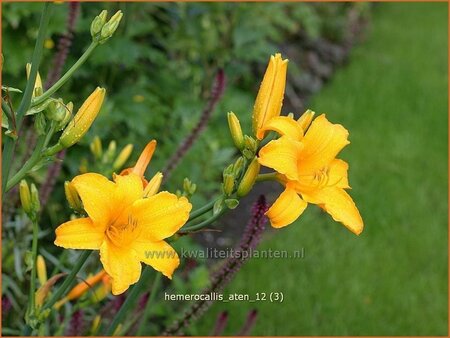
[(392, 280)]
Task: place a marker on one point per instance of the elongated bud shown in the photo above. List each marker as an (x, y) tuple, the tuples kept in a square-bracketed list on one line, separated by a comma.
[(249, 178), (270, 96), (96, 147), (250, 147), (83, 119), (84, 286), (228, 184), (238, 165), (305, 120), (38, 84), (123, 157), (111, 151), (153, 186), (95, 325), (41, 270), (189, 187), (35, 203), (235, 130), (25, 196), (98, 23), (110, 27), (72, 197)]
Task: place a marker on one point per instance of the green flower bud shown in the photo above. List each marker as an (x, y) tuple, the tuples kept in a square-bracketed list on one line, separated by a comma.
[(228, 184), (35, 202), (235, 130), (249, 178), (96, 147), (25, 196), (110, 27), (98, 23), (123, 156)]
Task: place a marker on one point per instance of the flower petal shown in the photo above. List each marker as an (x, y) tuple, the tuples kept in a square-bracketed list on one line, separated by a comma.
[(286, 209), (161, 215), (339, 205), (281, 155), (337, 174), (285, 126), (129, 188), (322, 142), (121, 264), (96, 193), (160, 255), (80, 233)]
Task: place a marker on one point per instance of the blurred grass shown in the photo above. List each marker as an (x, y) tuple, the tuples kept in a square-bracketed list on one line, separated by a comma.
[(392, 280)]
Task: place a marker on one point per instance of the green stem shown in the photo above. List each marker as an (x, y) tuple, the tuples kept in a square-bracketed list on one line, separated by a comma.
[(9, 143), (129, 301), (148, 306), (68, 281), (189, 228), (33, 268), (200, 211), (32, 161), (40, 99)]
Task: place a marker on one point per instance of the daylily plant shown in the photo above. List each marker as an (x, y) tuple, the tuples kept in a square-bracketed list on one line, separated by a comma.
[(126, 220)]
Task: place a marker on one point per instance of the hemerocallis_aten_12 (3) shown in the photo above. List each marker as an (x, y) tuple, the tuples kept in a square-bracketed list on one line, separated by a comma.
[(127, 218)]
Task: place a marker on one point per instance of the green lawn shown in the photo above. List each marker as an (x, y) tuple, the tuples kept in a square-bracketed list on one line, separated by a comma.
[(392, 280)]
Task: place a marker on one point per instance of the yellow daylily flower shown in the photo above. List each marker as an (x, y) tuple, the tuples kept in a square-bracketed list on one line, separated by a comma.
[(270, 96), (125, 226), (306, 163)]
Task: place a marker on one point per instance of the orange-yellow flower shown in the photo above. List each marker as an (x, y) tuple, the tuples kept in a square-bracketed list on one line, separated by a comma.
[(306, 164), (270, 96), (125, 226)]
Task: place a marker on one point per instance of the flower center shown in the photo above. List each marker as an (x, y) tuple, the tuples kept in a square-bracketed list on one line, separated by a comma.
[(122, 233)]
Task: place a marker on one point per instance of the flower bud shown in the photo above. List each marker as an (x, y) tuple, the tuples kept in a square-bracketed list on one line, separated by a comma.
[(237, 167), (84, 286), (25, 196), (123, 157), (41, 270), (189, 187), (35, 203), (96, 147), (228, 184), (95, 325), (72, 197), (56, 111), (153, 186), (270, 96), (110, 27), (111, 151), (83, 119), (305, 120), (98, 23), (249, 178), (67, 116), (235, 130), (38, 84)]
